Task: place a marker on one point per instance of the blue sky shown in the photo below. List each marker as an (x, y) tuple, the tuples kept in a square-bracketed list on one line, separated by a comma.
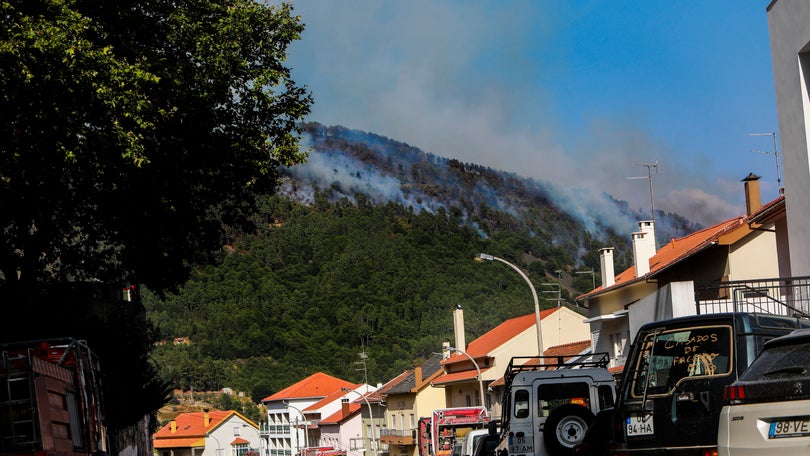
[(574, 92)]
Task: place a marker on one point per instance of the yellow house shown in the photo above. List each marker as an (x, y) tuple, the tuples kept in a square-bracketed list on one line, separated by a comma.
[(409, 397)]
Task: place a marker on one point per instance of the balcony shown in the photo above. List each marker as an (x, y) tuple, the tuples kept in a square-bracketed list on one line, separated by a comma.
[(277, 430), (398, 436), (783, 296)]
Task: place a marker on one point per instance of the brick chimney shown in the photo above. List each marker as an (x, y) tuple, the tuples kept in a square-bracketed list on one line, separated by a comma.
[(752, 197), (417, 376), (606, 263), (344, 407), (643, 246), (458, 327)]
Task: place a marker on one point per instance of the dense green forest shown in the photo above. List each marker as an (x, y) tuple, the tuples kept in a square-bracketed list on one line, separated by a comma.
[(320, 283), (367, 247)]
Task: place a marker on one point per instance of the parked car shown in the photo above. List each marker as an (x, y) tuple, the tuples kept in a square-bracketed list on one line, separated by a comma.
[(768, 408), (671, 394)]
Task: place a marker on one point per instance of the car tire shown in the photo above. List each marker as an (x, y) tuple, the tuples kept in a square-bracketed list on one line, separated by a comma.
[(565, 427)]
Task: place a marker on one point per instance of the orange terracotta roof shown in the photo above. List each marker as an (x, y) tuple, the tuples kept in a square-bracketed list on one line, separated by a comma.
[(458, 376), (338, 417), (573, 348), (188, 442), (498, 336), (335, 395), (193, 424), (239, 441), (316, 385), (675, 251), (616, 369)]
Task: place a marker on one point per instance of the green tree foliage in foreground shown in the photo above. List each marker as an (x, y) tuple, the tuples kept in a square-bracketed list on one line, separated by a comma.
[(133, 132), (323, 283)]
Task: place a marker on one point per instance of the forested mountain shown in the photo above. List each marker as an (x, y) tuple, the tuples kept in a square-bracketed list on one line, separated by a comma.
[(368, 247)]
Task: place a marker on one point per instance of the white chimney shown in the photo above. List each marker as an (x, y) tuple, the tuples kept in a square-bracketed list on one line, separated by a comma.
[(458, 328), (643, 247), (606, 263)]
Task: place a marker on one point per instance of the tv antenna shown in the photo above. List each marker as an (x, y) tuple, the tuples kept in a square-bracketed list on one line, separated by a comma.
[(363, 357), (775, 154), (650, 167)]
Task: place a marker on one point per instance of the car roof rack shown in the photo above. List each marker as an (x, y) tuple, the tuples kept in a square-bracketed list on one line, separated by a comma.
[(534, 363)]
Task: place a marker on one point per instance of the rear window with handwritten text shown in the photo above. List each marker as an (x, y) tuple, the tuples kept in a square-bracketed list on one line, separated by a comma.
[(670, 357)]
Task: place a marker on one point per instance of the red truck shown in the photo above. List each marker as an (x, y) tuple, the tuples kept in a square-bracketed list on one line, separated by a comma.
[(50, 399), (439, 433)]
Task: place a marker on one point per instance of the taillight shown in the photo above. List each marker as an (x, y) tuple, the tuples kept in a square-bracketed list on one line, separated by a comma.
[(734, 394), (710, 452)]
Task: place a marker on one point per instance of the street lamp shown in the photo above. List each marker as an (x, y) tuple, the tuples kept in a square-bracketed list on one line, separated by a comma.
[(218, 451), (370, 416), (477, 369), (259, 434), (484, 257), (287, 405)]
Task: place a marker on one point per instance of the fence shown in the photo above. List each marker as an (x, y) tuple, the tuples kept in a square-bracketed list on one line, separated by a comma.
[(782, 296)]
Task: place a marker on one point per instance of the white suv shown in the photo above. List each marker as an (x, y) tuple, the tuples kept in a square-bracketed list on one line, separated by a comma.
[(768, 409)]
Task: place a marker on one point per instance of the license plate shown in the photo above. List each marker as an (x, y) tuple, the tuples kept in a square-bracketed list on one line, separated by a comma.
[(789, 428), (521, 445), (640, 425)]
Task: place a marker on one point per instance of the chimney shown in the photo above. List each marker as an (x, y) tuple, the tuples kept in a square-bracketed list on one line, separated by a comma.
[(458, 327), (606, 263), (445, 350), (206, 418), (643, 247), (344, 407), (417, 376), (752, 197), (173, 426)]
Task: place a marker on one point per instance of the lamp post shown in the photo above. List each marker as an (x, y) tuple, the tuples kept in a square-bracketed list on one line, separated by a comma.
[(477, 369), (370, 416), (218, 451), (484, 257), (258, 434), (306, 437)]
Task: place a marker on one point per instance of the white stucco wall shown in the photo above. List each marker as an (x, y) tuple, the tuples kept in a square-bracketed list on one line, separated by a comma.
[(754, 257), (790, 50)]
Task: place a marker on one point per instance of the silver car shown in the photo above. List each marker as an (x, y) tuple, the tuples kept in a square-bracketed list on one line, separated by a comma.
[(768, 408)]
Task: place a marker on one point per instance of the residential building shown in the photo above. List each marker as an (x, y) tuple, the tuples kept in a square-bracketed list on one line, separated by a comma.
[(790, 51), (214, 433), (343, 430), (292, 421), (721, 266), (467, 373), (409, 397)]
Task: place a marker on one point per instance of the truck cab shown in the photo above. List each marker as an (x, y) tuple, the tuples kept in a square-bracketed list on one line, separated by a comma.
[(549, 402)]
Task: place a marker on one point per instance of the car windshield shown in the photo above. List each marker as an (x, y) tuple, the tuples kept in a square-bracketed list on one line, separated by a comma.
[(784, 361), (668, 357)]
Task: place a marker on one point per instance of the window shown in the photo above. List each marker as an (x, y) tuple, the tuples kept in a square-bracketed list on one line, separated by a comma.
[(669, 357), (521, 403), (550, 396), (393, 421)]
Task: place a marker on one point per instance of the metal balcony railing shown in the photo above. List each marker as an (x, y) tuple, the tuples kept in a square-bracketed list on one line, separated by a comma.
[(397, 432), (782, 296)]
